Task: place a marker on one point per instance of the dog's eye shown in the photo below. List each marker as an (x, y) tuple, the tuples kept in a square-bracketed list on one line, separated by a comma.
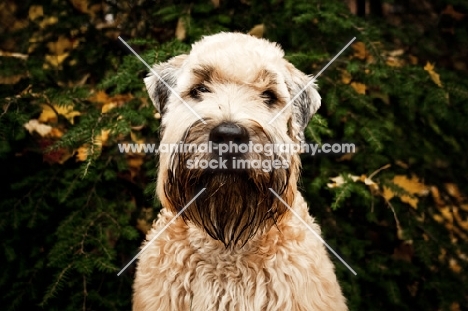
[(269, 97), (197, 89)]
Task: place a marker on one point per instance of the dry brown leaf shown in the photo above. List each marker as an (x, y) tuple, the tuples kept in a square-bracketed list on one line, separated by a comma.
[(81, 5), (339, 180), (404, 251), (454, 266), (55, 156), (34, 125), (181, 31), (449, 10), (14, 54), (12, 79), (455, 306), (257, 31), (413, 59)]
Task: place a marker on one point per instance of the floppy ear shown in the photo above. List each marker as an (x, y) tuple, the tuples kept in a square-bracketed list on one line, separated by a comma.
[(305, 104), (162, 79)]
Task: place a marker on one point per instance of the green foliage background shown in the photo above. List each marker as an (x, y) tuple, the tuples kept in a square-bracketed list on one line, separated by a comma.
[(69, 226)]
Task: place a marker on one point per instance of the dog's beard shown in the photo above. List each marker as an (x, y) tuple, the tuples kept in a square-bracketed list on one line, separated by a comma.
[(236, 204)]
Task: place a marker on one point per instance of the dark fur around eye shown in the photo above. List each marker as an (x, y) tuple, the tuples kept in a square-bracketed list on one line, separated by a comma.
[(197, 90), (269, 97)]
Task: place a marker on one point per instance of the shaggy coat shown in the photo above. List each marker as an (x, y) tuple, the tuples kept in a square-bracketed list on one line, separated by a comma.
[(236, 247)]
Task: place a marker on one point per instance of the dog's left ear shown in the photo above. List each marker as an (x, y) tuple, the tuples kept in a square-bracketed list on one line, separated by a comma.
[(305, 104), (160, 91)]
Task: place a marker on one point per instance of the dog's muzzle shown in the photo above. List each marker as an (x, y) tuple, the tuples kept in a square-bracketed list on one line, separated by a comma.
[(237, 202)]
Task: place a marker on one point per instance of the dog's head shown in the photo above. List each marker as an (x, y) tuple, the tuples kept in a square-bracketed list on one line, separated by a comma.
[(229, 106)]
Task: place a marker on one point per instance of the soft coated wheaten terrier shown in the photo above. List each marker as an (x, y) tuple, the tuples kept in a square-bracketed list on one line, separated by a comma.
[(237, 246)]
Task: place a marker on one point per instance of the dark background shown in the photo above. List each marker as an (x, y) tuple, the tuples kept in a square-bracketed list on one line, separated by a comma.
[(74, 210)]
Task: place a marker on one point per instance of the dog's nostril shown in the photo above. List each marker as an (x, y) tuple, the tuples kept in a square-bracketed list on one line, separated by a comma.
[(226, 132)]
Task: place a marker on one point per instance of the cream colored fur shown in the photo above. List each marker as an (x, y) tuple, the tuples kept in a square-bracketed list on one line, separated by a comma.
[(285, 267)]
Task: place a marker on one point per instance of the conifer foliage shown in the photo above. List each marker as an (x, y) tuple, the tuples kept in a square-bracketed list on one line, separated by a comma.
[(74, 209)]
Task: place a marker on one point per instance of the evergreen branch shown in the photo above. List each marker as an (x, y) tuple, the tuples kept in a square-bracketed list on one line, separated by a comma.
[(51, 292), (85, 292)]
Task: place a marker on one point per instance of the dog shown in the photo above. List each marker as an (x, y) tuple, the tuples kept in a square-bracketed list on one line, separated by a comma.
[(236, 246)]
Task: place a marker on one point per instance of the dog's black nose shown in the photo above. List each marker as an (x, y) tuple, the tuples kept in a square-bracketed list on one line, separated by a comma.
[(229, 132)]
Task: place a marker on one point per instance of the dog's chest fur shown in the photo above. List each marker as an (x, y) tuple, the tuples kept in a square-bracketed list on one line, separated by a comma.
[(275, 271)]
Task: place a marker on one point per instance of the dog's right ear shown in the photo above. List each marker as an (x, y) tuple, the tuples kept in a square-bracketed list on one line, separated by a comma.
[(162, 80)]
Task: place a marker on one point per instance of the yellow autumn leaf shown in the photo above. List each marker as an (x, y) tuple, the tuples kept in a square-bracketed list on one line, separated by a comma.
[(345, 77), (56, 133), (82, 153), (413, 186), (35, 11), (85, 150), (434, 76), (393, 61), (48, 21), (49, 115), (360, 88), (100, 97), (108, 103), (56, 60), (62, 45), (102, 138), (454, 266), (359, 50), (107, 107), (453, 190), (462, 222), (134, 163)]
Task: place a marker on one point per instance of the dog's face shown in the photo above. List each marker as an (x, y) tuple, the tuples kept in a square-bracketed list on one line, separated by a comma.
[(223, 96)]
